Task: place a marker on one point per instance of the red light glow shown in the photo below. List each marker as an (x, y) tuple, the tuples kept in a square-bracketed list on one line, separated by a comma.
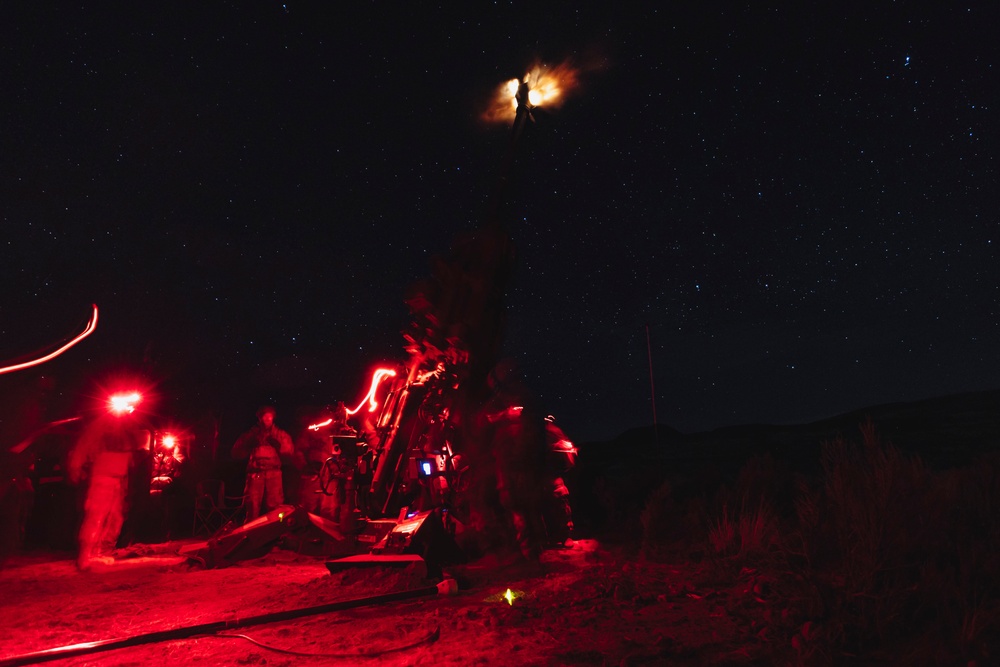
[(377, 377), (169, 441), (91, 325), (316, 427), (124, 404)]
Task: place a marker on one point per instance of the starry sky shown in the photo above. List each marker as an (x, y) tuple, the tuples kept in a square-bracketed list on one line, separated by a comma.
[(755, 213)]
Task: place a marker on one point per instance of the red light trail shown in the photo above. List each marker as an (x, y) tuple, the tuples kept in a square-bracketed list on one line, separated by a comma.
[(377, 378), (91, 325), (369, 398)]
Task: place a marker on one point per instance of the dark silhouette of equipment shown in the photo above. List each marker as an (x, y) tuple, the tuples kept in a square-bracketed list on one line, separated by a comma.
[(251, 540), (407, 483), (422, 535), (213, 509), (427, 445)]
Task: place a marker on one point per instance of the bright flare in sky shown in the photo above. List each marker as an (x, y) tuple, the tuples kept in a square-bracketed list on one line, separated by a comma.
[(547, 87)]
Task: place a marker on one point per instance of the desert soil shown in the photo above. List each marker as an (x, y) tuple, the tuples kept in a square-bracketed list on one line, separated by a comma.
[(593, 604)]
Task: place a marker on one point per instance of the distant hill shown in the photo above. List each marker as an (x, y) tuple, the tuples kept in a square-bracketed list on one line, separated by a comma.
[(945, 432)]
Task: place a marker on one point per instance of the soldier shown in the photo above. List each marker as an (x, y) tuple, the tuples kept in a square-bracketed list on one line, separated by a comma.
[(315, 449), (518, 448), (518, 451), (264, 446), (561, 460), (105, 450)]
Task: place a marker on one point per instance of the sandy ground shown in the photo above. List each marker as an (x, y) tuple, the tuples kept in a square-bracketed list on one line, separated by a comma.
[(589, 605)]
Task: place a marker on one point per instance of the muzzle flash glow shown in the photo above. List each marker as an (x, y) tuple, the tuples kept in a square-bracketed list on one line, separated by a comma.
[(541, 86)]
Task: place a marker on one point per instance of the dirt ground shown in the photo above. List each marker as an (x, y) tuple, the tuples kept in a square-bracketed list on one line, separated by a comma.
[(592, 604)]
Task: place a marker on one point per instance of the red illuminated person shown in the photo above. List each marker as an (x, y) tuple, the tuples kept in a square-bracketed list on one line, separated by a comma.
[(104, 455), (561, 459), (517, 441), (324, 468), (264, 446)]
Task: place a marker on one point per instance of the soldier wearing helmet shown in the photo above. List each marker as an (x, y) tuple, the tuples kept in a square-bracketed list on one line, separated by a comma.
[(264, 446)]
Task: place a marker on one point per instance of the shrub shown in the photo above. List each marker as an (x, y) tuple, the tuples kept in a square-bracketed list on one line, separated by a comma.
[(745, 523), (960, 576), (903, 553), (750, 532), (874, 498), (672, 524), (882, 558), (762, 479)]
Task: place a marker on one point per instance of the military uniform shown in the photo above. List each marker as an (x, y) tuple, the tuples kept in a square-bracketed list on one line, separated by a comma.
[(315, 450), (106, 448), (264, 447)]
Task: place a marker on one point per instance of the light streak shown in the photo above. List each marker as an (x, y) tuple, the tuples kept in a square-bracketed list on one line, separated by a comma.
[(377, 378), (316, 427), (24, 444), (91, 325)]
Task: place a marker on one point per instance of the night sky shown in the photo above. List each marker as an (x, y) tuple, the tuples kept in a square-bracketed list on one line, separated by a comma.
[(798, 205)]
